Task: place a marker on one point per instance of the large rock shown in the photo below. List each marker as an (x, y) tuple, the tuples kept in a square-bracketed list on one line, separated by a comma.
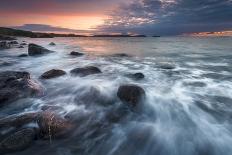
[(73, 53), (52, 44), (17, 141), (34, 50), (15, 85), (131, 94), (3, 37), (53, 126), (85, 71), (4, 45), (53, 74)]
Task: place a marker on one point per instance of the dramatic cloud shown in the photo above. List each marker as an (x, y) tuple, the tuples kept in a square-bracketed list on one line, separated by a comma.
[(167, 17)]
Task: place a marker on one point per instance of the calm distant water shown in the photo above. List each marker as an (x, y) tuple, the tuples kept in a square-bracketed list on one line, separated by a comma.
[(187, 111)]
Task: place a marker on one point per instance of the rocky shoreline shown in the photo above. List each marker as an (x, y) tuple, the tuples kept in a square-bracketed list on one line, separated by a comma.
[(20, 134)]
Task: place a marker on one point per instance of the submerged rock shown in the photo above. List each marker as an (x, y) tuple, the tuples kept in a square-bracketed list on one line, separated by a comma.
[(17, 141), (136, 76), (13, 42), (53, 74), (34, 50), (167, 66), (15, 85), (52, 44), (85, 71), (20, 47), (23, 44), (23, 55), (131, 94), (18, 120), (73, 53), (93, 96), (53, 126)]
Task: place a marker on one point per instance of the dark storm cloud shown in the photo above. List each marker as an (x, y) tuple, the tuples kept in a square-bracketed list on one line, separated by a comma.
[(171, 16), (48, 28)]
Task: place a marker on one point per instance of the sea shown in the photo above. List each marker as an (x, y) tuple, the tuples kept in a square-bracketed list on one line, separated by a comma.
[(187, 109)]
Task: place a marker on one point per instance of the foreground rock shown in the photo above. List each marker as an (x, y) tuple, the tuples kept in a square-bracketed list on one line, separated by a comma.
[(53, 126), (23, 55), (52, 44), (53, 74), (4, 45), (131, 94), (17, 141), (73, 53), (15, 85), (136, 76), (85, 71), (34, 50)]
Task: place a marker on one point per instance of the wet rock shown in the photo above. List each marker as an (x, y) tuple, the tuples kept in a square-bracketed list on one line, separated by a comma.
[(4, 45), (131, 94), (17, 141), (85, 71), (13, 42), (167, 66), (53, 74), (18, 120), (20, 47), (121, 55), (53, 126), (93, 96), (23, 44), (23, 55), (52, 44), (73, 53), (34, 50), (136, 76), (15, 85)]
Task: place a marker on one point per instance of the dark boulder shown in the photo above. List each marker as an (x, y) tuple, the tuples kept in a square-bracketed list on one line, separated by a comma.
[(13, 42), (136, 76), (20, 47), (53, 126), (73, 53), (131, 94), (23, 44), (34, 50), (85, 71), (53, 74), (121, 55), (167, 66), (18, 141), (4, 45), (23, 55), (52, 44), (15, 85)]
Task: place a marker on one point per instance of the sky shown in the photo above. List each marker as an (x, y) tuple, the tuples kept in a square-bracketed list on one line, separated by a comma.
[(150, 17)]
